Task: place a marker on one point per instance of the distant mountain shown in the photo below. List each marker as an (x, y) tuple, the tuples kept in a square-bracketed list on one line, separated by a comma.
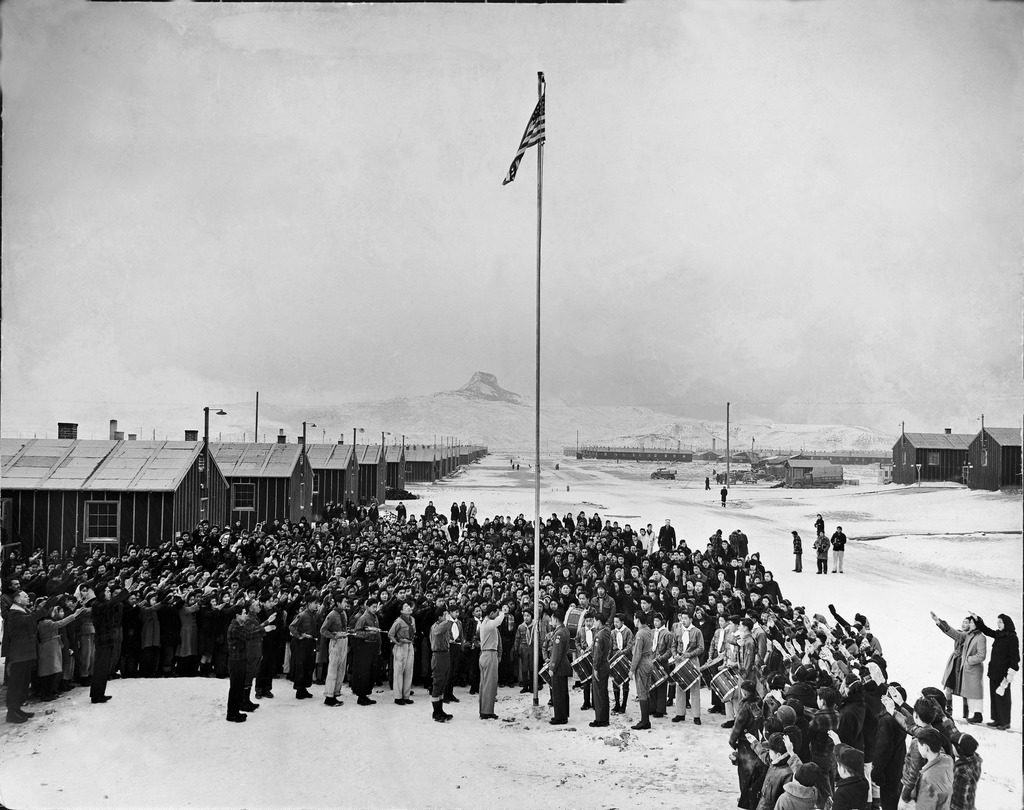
[(483, 386)]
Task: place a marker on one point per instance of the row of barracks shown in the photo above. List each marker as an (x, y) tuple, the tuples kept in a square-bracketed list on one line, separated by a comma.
[(57, 493)]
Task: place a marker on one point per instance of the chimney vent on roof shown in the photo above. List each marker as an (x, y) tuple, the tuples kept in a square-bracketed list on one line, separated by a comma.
[(132, 437), (113, 428), (67, 430), (119, 435), (949, 431), (281, 438), (191, 435)]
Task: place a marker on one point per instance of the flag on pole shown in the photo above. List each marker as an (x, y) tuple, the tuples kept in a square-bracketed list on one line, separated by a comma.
[(534, 135)]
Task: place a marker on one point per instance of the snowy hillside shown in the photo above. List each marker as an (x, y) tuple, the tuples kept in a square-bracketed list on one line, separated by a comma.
[(483, 412)]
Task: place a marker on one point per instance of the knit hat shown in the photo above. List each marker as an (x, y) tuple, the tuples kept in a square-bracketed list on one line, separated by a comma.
[(966, 745), (808, 774), (786, 714), (749, 687)]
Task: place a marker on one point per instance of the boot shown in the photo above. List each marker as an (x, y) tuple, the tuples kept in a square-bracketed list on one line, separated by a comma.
[(975, 718), (439, 716), (645, 718)]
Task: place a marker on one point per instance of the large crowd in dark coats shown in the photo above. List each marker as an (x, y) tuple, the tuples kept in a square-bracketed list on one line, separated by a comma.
[(814, 719)]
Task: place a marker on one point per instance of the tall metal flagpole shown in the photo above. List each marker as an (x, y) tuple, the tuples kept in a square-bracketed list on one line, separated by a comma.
[(536, 471)]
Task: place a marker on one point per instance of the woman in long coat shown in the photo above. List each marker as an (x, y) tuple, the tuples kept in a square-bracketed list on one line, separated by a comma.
[(188, 642), (1002, 666), (965, 669), (49, 658)]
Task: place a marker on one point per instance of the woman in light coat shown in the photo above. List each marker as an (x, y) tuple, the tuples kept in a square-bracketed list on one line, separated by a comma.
[(965, 669)]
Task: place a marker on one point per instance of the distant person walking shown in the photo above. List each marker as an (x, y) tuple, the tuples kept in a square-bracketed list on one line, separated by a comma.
[(725, 494), (838, 549), (798, 553), (819, 526), (707, 484)]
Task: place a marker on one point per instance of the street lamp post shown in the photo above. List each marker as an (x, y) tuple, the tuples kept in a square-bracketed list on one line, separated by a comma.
[(302, 468), (205, 496)]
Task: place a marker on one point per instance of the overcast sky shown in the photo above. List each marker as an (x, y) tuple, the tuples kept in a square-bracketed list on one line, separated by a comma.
[(810, 209)]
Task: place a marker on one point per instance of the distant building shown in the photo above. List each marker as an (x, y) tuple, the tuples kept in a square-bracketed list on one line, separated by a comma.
[(633, 454), (396, 466), (849, 457), (335, 475), (61, 493), (994, 459), (373, 473), (268, 482), (930, 457), (421, 464)]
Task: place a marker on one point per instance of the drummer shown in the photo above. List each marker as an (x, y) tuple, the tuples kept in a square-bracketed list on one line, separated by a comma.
[(584, 644), (662, 645), (688, 646), (622, 642)]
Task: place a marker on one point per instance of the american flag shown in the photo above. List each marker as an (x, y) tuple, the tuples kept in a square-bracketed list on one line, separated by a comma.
[(534, 135)]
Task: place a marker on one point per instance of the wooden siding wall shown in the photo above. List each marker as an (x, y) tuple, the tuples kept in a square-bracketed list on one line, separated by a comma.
[(54, 520), (273, 501), (950, 466), (396, 475), (420, 471), (336, 486), (1003, 469), (187, 505)]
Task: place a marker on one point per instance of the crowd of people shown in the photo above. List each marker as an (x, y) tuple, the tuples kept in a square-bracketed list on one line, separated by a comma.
[(439, 602)]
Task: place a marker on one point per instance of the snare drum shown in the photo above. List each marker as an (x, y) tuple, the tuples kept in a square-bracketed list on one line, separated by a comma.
[(658, 675), (619, 668), (725, 683), (685, 674), (545, 674), (583, 667), (574, 620)]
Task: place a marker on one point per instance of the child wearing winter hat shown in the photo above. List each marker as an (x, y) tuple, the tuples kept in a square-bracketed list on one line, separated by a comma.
[(966, 773), (852, 790), (801, 792)]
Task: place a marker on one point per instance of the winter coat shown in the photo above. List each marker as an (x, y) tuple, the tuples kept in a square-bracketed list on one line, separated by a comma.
[(851, 793), (20, 632), (797, 797), (50, 659), (775, 777), (966, 773), (150, 633), (1005, 648), (851, 718), (887, 756), (966, 665), (935, 784)]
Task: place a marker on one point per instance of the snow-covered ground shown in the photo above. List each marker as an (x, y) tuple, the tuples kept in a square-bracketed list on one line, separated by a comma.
[(165, 743)]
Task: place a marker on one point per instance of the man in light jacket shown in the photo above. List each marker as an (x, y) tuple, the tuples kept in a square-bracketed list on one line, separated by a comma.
[(490, 654)]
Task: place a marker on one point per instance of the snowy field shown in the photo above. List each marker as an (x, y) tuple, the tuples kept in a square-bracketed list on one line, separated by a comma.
[(164, 743)]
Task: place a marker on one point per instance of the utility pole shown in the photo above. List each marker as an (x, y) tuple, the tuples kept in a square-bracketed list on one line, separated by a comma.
[(728, 456)]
